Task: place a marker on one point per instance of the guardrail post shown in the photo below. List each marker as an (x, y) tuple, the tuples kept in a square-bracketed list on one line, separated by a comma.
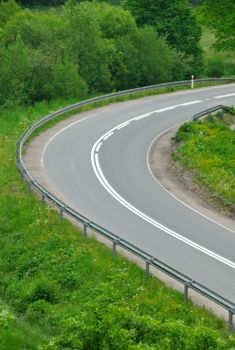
[(22, 175), (43, 198), (30, 183), (85, 226), (147, 269), (230, 320), (114, 251), (186, 293), (61, 213)]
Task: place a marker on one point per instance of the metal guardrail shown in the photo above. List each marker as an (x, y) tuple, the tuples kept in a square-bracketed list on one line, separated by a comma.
[(115, 239), (210, 111)]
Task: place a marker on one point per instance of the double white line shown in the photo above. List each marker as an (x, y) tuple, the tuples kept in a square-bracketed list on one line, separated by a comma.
[(102, 179)]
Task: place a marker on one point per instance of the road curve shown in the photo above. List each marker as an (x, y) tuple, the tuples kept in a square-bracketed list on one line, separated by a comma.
[(100, 165)]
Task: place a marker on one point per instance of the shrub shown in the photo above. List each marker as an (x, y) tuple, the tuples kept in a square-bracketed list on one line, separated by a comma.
[(37, 311), (41, 290), (214, 67)]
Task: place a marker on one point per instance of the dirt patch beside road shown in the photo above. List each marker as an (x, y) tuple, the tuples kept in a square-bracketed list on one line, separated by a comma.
[(179, 182)]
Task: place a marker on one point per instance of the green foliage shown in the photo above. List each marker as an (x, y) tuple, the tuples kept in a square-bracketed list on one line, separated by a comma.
[(214, 67), (15, 73), (16, 334), (196, 3), (41, 291), (86, 47), (152, 65), (7, 10), (65, 82), (185, 131), (208, 149), (172, 19), (41, 3), (220, 16), (216, 62)]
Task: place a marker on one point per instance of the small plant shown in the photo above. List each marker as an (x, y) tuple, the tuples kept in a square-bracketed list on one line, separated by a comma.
[(42, 290)]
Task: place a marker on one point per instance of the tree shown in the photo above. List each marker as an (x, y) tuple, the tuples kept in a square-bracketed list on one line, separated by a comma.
[(65, 81), (7, 10), (172, 19), (220, 16), (119, 29), (88, 47), (15, 73), (155, 59)]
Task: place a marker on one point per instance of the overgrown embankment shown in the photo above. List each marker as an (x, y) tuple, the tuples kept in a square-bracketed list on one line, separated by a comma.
[(66, 292), (207, 149)]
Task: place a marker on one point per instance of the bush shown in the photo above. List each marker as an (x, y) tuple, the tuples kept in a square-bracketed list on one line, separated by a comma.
[(214, 67), (185, 131), (41, 290), (38, 311), (65, 82)]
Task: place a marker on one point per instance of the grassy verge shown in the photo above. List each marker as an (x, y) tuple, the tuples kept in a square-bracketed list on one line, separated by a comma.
[(70, 290), (207, 149)]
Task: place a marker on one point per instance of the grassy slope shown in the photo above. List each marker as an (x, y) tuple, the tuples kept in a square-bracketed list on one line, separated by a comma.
[(16, 333), (70, 290), (208, 149)]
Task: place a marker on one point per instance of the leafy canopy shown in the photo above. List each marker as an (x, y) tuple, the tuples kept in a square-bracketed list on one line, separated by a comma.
[(220, 16), (86, 47), (172, 19)]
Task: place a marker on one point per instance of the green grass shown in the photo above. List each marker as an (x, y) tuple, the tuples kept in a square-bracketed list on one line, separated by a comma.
[(16, 333), (208, 150), (69, 290)]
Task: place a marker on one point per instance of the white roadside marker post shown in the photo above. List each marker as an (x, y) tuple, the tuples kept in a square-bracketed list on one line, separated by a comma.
[(192, 81)]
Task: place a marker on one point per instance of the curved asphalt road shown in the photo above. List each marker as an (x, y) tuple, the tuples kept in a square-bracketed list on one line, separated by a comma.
[(100, 165)]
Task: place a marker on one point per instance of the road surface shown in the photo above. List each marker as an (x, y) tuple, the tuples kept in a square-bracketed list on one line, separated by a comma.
[(100, 165)]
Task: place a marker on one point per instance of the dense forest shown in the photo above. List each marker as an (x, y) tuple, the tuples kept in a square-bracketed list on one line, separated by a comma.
[(84, 47)]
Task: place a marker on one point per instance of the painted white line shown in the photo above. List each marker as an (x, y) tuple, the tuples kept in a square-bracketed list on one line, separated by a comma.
[(108, 135), (165, 109), (59, 132), (222, 96), (191, 103), (122, 125), (100, 176), (98, 147), (142, 116), (189, 92)]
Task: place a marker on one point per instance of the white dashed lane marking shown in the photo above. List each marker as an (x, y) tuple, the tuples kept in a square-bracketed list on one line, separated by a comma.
[(223, 96)]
